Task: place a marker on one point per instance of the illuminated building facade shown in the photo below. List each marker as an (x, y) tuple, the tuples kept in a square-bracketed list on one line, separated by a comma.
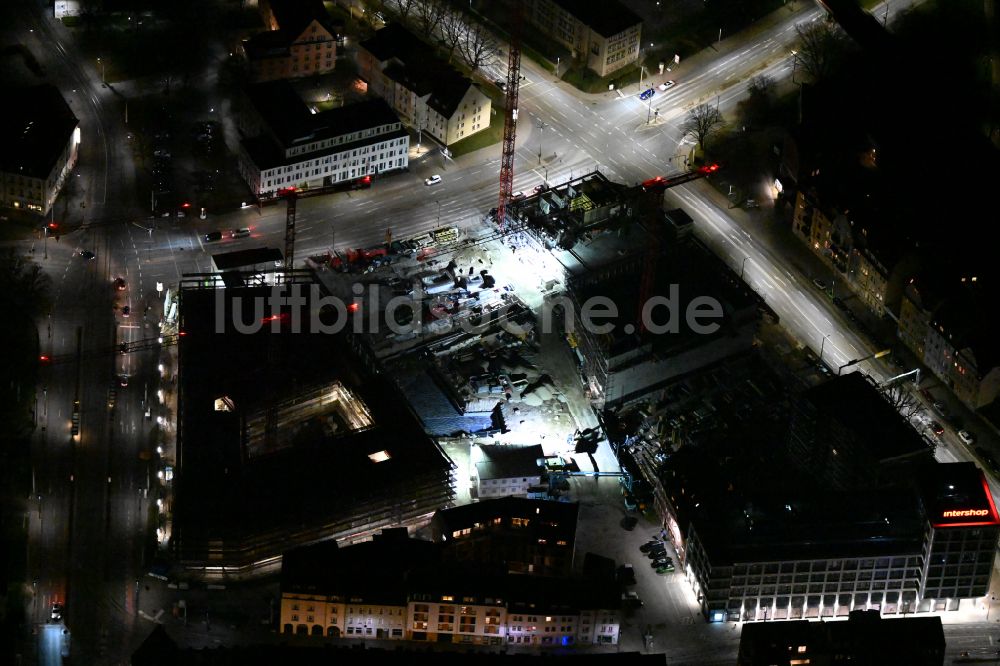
[(288, 146), (525, 536), (41, 142), (929, 555), (329, 591)]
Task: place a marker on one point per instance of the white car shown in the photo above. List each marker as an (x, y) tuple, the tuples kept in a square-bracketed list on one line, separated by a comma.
[(517, 195), (433, 180), (966, 436), (666, 85)]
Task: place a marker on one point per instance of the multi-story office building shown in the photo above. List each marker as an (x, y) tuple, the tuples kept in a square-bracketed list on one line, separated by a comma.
[(865, 638), (852, 513), (845, 435), (41, 142), (397, 588), (287, 438), (290, 147), (428, 94), (896, 551), (520, 535), (605, 36)]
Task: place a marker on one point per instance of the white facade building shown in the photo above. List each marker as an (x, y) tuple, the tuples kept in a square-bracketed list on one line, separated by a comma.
[(289, 147)]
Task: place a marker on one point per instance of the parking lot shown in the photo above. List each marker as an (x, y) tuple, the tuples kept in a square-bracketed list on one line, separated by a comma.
[(670, 611)]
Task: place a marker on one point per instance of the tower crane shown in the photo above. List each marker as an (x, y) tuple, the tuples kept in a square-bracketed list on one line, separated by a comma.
[(510, 114)]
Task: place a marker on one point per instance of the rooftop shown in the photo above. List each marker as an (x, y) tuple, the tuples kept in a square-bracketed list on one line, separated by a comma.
[(36, 132), (265, 417), (864, 638), (957, 495), (507, 462), (289, 118), (607, 18), (295, 15), (545, 513), (854, 402), (418, 69)]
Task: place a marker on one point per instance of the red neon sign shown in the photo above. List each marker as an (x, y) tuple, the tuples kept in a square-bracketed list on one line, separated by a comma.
[(972, 517)]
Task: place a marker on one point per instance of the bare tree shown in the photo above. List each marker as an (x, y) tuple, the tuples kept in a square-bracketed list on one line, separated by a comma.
[(404, 8), (901, 400), (453, 30), (429, 15), (701, 123), (757, 105), (479, 46), (820, 46)]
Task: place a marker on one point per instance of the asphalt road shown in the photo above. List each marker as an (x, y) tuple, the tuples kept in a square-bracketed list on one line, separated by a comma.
[(91, 518), (88, 516)]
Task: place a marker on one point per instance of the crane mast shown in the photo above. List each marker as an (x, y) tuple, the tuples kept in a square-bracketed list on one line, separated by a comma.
[(510, 116)]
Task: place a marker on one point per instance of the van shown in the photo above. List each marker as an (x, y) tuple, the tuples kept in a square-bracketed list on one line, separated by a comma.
[(241, 233)]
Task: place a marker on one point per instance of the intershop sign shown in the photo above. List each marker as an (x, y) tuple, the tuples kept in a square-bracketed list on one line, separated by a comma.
[(966, 513)]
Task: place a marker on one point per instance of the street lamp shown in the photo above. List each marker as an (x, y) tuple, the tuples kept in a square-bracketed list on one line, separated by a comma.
[(642, 68), (541, 128), (795, 61), (822, 345), (744, 267), (101, 63), (439, 211)]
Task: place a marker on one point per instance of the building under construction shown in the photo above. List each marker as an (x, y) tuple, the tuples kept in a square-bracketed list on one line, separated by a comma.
[(286, 438), (616, 243)]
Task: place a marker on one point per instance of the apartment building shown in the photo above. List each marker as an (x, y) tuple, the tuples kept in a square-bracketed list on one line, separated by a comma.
[(41, 144), (427, 93), (605, 36), (942, 321), (524, 536), (396, 588), (288, 146)]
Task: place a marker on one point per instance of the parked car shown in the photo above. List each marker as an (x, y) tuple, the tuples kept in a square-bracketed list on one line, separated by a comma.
[(433, 180), (819, 284), (631, 600), (120, 284), (966, 436), (936, 428), (839, 303), (502, 85), (87, 254), (644, 548), (213, 236), (240, 233), (669, 568), (646, 94), (517, 195), (988, 459)]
